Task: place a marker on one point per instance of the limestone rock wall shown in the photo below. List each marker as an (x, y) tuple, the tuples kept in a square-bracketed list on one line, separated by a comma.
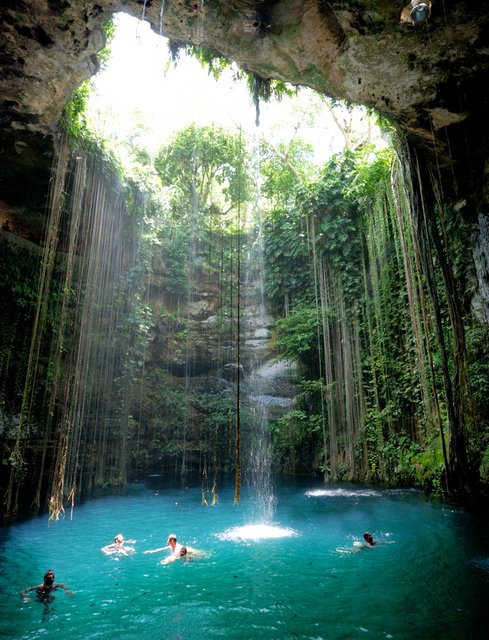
[(429, 77)]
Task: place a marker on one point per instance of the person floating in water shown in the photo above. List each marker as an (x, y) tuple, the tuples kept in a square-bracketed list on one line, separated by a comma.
[(44, 591), (119, 546), (369, 540), (183, 554), (175, 549)]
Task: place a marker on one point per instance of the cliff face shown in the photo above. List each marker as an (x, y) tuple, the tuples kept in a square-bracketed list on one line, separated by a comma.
[(430, 77)]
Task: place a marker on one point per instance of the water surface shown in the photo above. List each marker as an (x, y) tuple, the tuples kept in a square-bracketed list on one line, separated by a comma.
[(298, 576)]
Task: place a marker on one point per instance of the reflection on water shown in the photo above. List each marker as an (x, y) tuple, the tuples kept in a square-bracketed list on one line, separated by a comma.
[(276, 580)]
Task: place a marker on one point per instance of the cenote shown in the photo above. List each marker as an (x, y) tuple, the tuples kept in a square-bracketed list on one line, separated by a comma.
[(297, 575), (252, 251)]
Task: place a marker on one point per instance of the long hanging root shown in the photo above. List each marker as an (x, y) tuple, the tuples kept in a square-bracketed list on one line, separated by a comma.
[(237, 486), (205, 487), (56, 508), (71, 498), (215, 497)]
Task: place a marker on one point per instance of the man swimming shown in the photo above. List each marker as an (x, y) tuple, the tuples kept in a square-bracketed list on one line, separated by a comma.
[(182, 554), (175, 549), (369, 540), (44, 591)]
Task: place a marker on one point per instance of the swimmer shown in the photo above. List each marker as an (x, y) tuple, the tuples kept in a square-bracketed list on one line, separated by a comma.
[(174, 547), (183, 553), (119, 546), (44, 591), (369, 540), (171, 544), (186, 553)]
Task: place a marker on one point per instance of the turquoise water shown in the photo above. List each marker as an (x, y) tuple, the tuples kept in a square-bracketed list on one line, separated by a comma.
[(299, 577)]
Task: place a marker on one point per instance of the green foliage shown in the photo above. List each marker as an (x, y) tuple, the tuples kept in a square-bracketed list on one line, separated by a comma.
[(208, 169), (297, 334), (108, 28), (74, 118), (286, 257), (333, 205), (458, 234), (397, 454), (283, 169), (293, 442), (210, 60), (427, 470), (478, 355), (372, 170), (216, 63), (170, 257), (19, 273)]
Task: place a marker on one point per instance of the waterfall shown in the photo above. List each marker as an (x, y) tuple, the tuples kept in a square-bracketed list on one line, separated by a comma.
[(257, 325)]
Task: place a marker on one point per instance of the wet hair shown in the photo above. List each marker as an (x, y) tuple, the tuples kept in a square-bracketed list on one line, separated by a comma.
[(367, 536), (49, 573), (183, 551)]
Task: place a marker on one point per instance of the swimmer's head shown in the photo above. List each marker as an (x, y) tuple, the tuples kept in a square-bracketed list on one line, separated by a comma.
[(119, 538), (183, 552), (171, 538), (49, 577), (368, 537)]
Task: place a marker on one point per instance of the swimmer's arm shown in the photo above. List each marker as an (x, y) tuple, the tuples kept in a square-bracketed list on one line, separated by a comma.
[(156, 550), (24, 591), (126, 551), (63, 586)]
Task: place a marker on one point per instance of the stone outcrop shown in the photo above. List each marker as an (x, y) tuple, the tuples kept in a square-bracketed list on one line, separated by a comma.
[(429, 77)]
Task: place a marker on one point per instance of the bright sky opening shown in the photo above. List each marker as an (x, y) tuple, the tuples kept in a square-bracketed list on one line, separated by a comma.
[(141, 95)]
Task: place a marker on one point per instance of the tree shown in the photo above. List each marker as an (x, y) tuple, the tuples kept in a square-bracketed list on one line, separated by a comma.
[(283, 167), (208, 169)]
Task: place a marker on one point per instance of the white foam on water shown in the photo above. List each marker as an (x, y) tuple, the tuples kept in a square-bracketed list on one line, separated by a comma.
[(347, 493), (256, 532)]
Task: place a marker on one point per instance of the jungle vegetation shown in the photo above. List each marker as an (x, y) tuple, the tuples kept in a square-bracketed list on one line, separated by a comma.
[(118, 375)]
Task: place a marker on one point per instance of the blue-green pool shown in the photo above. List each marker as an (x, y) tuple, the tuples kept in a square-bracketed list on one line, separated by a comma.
[(298, 577)]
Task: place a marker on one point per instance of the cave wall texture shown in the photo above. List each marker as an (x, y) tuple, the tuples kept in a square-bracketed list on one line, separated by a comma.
[(430, 77)]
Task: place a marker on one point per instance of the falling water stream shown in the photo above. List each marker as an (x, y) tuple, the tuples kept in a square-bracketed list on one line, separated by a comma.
[(258, 325)]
